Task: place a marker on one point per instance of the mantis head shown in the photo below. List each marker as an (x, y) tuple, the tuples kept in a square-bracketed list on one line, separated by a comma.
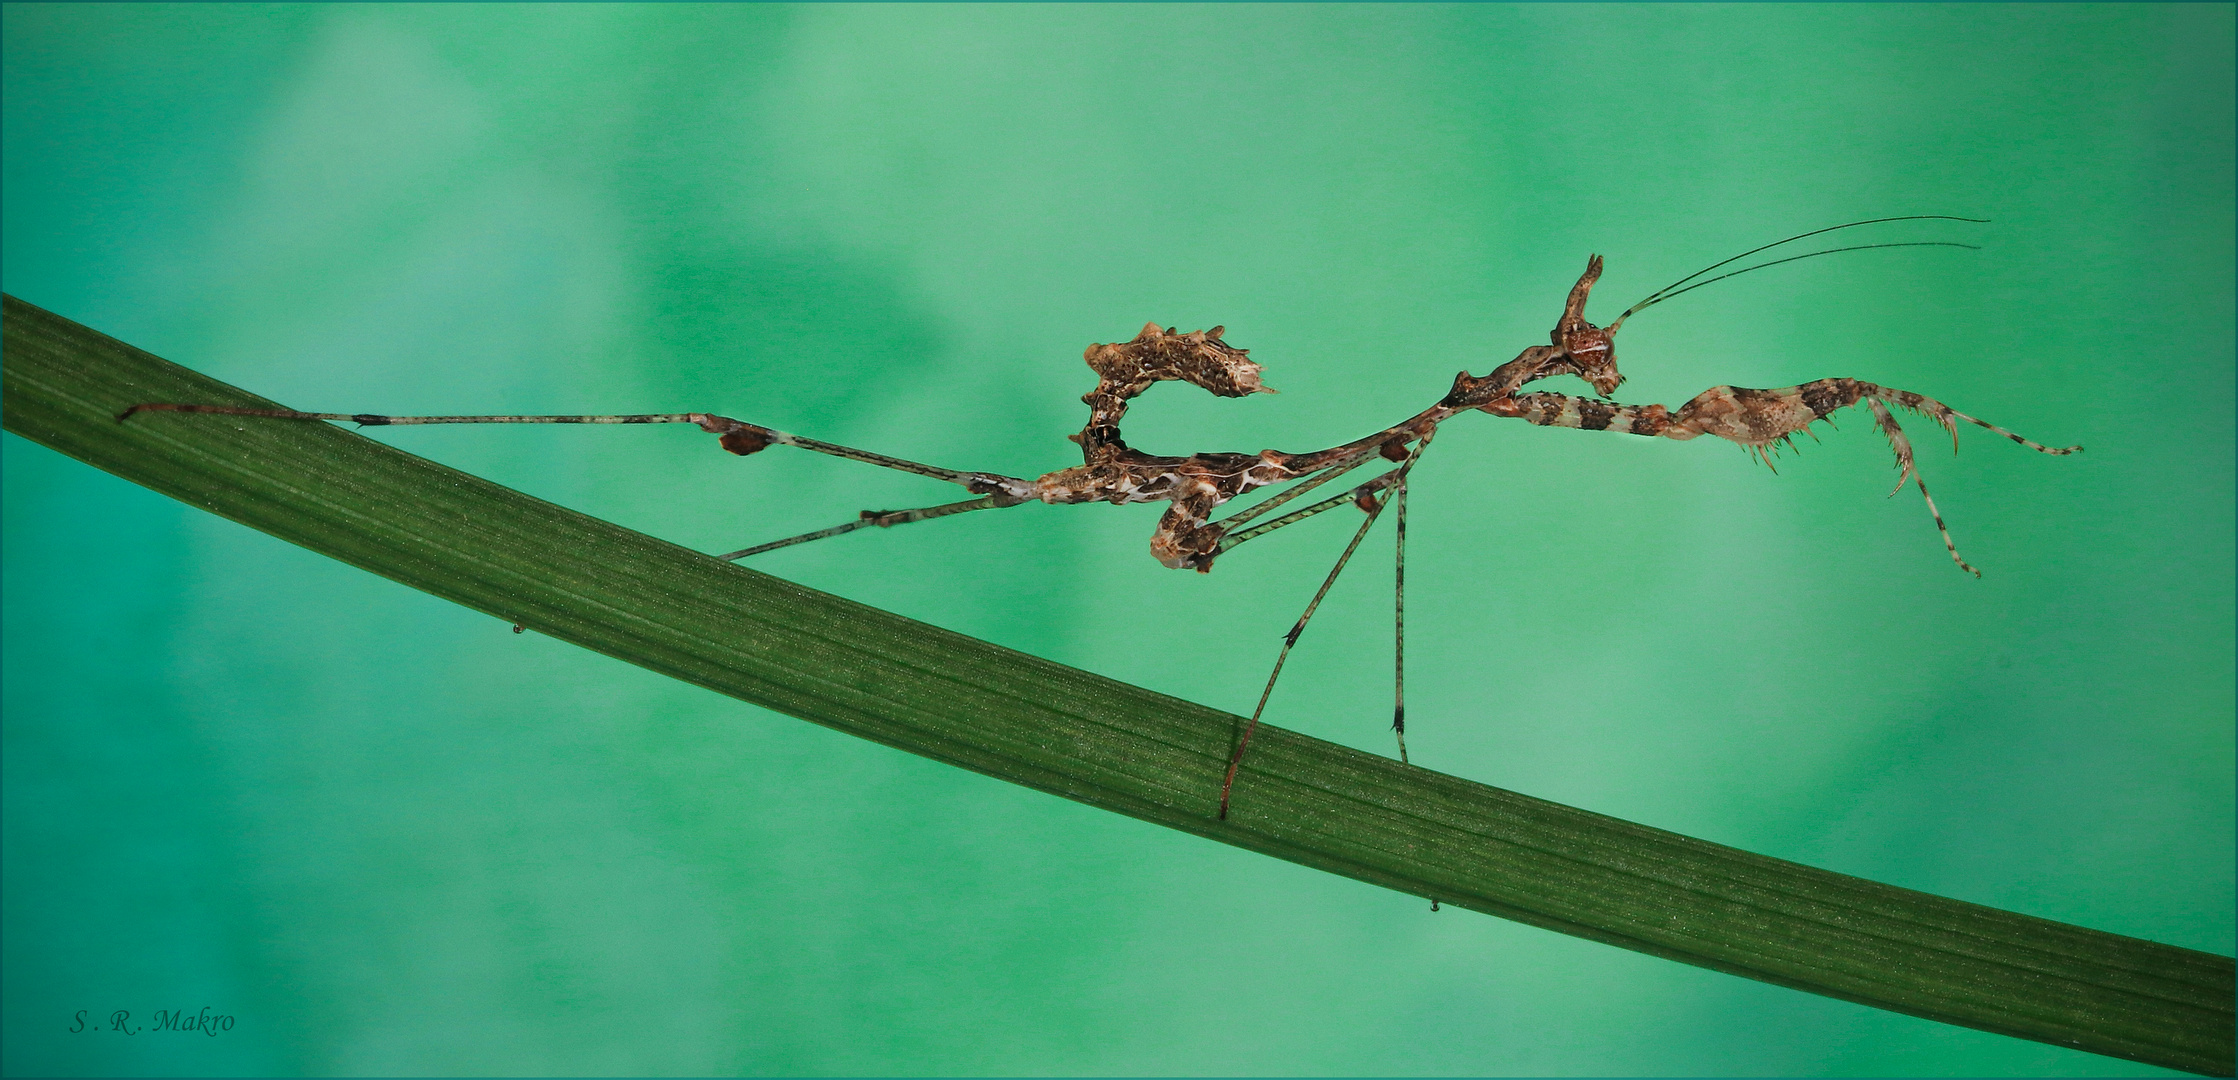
[(1589, 347)]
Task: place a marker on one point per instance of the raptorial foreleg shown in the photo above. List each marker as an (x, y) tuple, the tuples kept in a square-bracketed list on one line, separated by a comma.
[(1907, 469), (1763, 421)]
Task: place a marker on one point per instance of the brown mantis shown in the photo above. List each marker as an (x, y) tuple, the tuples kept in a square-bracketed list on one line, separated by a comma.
[(1187, 537)]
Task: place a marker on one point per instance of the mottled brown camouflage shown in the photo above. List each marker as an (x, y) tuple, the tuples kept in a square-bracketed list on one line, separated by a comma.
[(1110, 471), (1760, 420), (1195, 486)]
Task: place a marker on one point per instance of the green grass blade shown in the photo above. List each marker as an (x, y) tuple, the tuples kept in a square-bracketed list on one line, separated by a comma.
[(1105, 743)]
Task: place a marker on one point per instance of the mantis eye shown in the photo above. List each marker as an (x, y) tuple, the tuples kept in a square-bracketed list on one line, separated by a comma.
[(1589, 348)]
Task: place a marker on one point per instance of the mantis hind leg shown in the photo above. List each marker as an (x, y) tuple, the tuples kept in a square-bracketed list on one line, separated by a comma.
[(738, 437), (884, 519)]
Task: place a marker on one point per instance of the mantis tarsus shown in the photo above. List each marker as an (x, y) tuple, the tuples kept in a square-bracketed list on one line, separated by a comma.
[(1187, 538)]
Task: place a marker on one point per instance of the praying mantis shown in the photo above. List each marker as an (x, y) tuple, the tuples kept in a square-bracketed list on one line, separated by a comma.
[(1187, 537)]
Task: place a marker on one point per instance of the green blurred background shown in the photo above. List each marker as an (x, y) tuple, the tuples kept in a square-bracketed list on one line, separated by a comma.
[(389, 836)]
